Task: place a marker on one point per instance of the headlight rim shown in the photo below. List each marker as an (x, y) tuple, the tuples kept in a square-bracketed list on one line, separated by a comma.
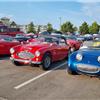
[(79, 55), (98, 59), (37, 53), (12, 50)]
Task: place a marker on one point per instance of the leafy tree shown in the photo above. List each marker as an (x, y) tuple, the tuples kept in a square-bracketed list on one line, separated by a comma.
[(94, 28), (31, 28), (67, 27), (75, 29), (84, 28), (49, 27)]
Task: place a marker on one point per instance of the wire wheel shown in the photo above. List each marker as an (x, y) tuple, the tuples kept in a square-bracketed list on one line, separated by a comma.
[(46, 61)]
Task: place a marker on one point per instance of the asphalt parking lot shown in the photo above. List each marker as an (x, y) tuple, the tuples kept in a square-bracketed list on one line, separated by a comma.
[(32, 83)]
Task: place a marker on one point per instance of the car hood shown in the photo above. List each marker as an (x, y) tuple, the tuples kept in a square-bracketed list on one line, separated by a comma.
[(71, 41), (90, 51), (96, 43), (34, 46)]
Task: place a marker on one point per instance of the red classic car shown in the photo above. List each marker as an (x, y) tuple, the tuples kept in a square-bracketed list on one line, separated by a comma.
[(73, 42), (6, 42), (42, 53)]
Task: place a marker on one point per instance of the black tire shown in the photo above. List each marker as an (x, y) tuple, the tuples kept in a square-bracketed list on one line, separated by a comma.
[(46, 63), (71, 72), (17, 63)]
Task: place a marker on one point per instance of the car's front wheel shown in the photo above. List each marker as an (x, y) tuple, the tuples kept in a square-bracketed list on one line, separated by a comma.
[(46, 63), (71, 72)]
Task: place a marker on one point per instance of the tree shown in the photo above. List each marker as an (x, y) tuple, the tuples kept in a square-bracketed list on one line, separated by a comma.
[(67, 27), (84, 28), (75, 29), (31, 28), (49, 27), (94, 28)]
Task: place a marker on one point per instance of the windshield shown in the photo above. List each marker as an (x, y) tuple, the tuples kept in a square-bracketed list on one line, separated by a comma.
[(6, 39), (47, 39)]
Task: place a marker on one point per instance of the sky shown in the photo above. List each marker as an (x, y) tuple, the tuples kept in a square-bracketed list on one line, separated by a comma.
[(52, 11)]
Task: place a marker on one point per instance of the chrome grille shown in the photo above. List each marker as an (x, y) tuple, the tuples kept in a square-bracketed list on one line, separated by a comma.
[(25, 55), (88, 68)]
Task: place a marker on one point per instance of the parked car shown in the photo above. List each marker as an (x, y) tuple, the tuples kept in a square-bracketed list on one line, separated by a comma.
[(42, 53), (96, 42), (85, 61), (81, 38), (57, 33), (73, 42), (44, 33), (6, 42), (88, 37), (21, 37)]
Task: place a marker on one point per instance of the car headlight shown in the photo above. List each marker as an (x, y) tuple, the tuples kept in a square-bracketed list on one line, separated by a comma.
[(99, 59), (37, 53), (12, 50), (79, 57)]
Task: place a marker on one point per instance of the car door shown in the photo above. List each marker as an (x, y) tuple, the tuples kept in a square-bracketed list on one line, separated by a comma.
[(55, 49), (63, 48), (3, 47), (9, 43)]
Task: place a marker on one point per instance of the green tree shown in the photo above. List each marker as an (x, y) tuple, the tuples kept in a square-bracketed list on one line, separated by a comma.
[(31, 28), (68, 27), (49, 27), (84, 28), (94, 28)]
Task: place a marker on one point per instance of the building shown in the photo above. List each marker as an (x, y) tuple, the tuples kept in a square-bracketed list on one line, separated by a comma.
[(8, 27), (38, 28), (7, 22)]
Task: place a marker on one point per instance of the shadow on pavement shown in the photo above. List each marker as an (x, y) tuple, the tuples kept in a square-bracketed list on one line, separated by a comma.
[(58, 64), (4, 57)]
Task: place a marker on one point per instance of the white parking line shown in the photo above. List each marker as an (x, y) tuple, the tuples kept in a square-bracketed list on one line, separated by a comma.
[(37, 77)]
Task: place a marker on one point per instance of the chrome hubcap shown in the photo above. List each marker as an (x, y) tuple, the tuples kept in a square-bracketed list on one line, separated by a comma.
[(47, 62)]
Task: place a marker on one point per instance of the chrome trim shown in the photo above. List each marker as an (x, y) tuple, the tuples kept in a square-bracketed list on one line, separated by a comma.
[(25, 61), (25, 54), (98, 59), (88, 68)]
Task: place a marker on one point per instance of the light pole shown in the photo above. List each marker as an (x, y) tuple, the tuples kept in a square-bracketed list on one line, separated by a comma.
[(60, 22)]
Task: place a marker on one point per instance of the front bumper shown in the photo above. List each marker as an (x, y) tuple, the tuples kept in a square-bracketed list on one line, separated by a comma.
[(88, 68), (25, 61)]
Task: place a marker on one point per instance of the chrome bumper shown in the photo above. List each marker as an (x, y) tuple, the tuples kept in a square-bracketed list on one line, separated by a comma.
[(25, 61), (88, 68)]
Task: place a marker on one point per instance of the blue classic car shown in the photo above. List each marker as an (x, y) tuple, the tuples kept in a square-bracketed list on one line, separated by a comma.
[(85, 61)]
